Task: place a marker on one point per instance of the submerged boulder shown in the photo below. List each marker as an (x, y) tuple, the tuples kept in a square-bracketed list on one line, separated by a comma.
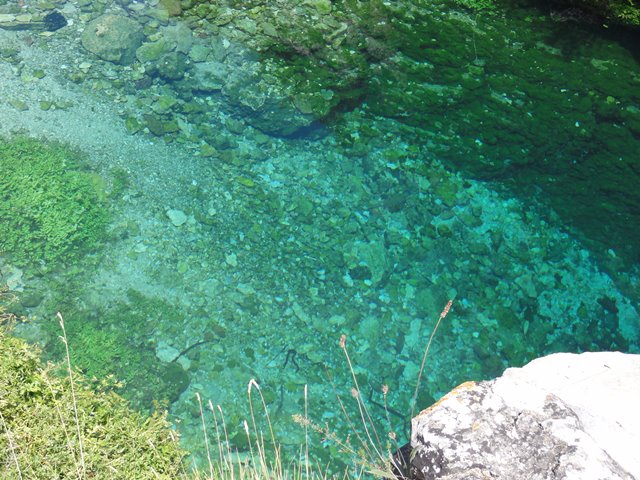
[(247, 90), (564, 416), (113, 38), (264, 103)]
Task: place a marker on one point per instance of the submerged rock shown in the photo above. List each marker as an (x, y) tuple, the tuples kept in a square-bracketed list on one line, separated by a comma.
[(563, 416), (113, 38), (177, 217), (54, 21), (261, 100)]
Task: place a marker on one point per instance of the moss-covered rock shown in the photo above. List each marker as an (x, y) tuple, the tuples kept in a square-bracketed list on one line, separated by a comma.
[(624, 12), (113, 38), (50, 210)]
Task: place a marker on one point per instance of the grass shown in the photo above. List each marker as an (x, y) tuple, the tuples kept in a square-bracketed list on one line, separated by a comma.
[(59, 426)]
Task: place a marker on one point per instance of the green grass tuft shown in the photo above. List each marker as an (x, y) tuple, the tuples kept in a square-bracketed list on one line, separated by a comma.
[(38, 436)]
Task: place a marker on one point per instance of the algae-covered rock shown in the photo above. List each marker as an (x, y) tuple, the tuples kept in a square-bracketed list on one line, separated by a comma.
[(152, 51), (209, 76), (113, 38), (179, 35), (263, 102), (367, 260), (623, 12), (172, 7), (258, 98), (171, 66), (18, 104), (159, 126)]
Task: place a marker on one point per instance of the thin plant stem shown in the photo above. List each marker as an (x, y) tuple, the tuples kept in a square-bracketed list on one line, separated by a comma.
[(348, 417), (63, 423), (11, 446), (73, 395), (276, 449), (246, 429), (443, 314), (206, 437), (306, 435), (392, 434), (218, 438), (226, 441), (361, 405)]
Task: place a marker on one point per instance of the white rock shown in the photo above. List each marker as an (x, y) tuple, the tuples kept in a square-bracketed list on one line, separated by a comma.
[(564, 416), (165, 352), (231, 259), (177, 217), (184, 362)]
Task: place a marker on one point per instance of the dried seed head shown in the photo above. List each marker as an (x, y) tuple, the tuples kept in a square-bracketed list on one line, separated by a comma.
[(385, 389), (355, 393), (446, 309), (343, 341)]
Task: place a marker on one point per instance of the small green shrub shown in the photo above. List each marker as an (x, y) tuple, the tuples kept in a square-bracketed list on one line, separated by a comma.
[(49, 209), (38, 434)]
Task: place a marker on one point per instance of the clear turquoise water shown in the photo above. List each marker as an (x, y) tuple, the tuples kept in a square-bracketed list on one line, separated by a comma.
[(475, 159)]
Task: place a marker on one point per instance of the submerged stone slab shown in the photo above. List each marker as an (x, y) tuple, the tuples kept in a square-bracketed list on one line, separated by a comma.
[(113, 38), (564, 416)]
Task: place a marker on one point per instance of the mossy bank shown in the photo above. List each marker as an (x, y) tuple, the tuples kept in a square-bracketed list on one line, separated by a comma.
[(40, 432)]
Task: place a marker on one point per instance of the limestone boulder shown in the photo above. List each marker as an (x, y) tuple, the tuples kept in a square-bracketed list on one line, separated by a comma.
[(564, 416), (113, 38)]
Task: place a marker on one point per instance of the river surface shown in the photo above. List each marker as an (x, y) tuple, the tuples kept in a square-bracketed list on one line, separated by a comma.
[(267, 194)]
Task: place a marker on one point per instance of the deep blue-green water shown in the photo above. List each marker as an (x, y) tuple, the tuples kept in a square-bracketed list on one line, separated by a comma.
[(255, 181)]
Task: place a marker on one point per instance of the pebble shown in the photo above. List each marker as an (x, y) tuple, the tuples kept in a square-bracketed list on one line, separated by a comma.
[(177, 217), (165, 352), (231, 259)]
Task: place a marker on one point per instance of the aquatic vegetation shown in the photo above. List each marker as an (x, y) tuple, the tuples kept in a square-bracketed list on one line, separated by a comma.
[(117, 340), (50, 210), (484, 6), (625, 12)]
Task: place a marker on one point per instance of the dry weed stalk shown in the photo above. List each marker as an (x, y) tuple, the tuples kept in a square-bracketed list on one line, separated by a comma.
[(375, 458), (206, 437), (12, 447), (83, 471), (443, 314), (64, 426), (277, 465)]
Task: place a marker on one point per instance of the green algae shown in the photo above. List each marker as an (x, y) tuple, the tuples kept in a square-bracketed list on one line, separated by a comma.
[(117, 341), (50, 210)]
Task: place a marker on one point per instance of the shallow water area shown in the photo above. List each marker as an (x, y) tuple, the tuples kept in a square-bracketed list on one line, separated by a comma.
[(238, 249)]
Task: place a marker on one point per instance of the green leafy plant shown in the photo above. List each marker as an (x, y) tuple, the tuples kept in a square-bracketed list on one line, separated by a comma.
[(50, 210)]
